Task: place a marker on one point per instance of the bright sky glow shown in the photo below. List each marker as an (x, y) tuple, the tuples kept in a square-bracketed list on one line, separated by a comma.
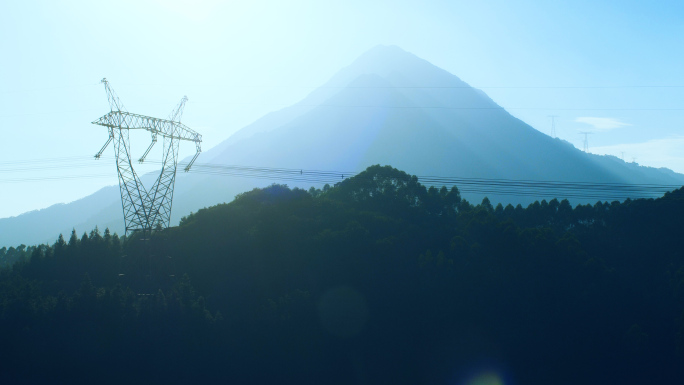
[(610, 67)]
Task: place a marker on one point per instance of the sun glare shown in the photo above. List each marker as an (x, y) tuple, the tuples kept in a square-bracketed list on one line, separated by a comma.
[(195, 10)]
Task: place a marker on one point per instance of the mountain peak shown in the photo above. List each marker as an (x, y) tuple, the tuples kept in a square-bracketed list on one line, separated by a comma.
[(387, 54), (390, 61)]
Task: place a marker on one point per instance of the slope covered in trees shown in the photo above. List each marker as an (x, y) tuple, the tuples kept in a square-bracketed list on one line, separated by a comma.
[(375, 280)]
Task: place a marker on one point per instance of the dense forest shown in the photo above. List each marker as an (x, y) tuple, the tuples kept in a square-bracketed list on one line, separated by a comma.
[(376, 280)]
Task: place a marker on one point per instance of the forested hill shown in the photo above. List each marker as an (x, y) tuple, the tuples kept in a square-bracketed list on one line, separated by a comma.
[(375, 280)]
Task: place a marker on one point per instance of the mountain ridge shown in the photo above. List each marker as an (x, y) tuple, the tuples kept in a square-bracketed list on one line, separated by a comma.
[(387, 107)]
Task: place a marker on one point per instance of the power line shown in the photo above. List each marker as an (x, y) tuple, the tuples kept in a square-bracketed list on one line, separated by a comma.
[(286, 86), (490, 108), (588, 109), (567, 189), (331, 175)]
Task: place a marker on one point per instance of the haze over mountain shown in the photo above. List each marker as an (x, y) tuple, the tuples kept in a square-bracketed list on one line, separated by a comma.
[(388, 107)]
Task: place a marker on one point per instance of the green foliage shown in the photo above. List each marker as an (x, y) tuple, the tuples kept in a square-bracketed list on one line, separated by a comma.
[(430, 283)]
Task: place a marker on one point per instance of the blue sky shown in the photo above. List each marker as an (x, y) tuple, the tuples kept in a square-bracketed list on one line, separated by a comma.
[(613, 68)]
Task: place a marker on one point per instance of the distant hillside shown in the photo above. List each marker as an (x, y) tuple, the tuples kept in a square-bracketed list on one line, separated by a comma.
[(387, 107), (43, 226)]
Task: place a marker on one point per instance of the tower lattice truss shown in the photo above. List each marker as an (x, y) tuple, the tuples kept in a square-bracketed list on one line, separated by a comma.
[(143, 209)]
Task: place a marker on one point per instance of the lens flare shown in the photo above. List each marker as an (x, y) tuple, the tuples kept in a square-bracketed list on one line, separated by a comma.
[(488, 378)]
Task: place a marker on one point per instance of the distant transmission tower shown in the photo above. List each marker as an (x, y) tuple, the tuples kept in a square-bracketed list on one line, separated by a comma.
[(143, 209), (586, 140), (553, 125)]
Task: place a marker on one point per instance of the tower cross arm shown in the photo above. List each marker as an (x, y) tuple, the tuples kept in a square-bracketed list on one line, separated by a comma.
[(164, 127)]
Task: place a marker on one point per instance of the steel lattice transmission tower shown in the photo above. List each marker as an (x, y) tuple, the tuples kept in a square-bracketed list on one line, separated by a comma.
[(145, 210), (586, 140), (553, 125)]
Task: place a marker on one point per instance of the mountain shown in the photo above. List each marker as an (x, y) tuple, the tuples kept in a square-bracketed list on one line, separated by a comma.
[(387, 107)]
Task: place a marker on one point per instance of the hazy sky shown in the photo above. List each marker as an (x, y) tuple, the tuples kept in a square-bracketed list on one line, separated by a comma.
[(613, 68)]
